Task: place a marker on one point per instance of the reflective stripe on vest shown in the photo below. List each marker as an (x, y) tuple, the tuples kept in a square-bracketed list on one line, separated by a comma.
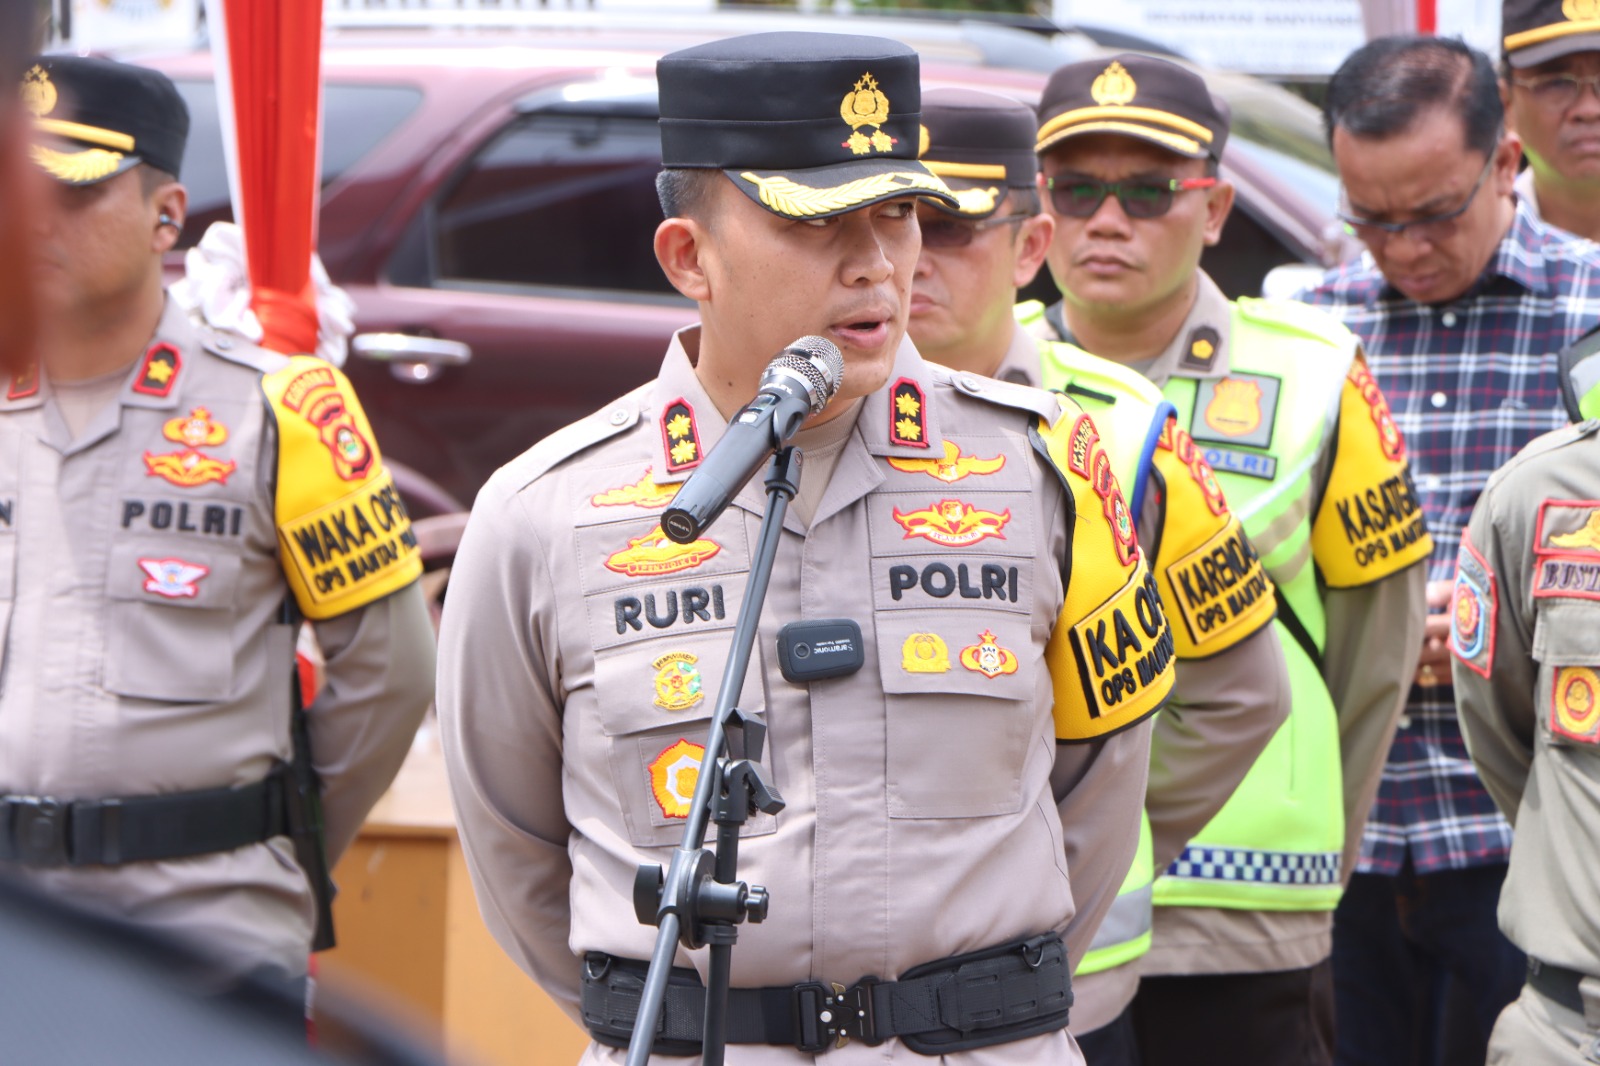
[(1124, 935), (1276, 843)]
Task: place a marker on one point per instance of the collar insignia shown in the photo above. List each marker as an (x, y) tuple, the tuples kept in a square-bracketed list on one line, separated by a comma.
[(38, 92), (642, 493), (925, 653), (673, 775), (24, 383), (654, 554), (908, 415), (988, 658), (677, 681), (953, 523), (1201, 351), (1114, 87), (865, 105), (159, 371), (174, 579), (953, 467), (680, 437)]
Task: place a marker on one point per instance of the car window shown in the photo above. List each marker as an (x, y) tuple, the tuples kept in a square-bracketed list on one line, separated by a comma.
[(564, 200), (355, 119)]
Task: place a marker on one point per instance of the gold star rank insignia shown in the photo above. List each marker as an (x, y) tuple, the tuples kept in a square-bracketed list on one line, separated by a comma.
[(680, 437), (908, 415), (159, 371)]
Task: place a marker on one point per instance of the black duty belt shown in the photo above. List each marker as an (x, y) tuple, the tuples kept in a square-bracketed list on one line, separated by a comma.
[(1004, 993), (1556, 983), (47, 831)]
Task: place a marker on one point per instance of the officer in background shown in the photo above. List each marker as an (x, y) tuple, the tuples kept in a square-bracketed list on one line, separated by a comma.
[(1232, 690), (1279, 402), (1527, 685), (1550, 83), (172, 503), (976, 786)]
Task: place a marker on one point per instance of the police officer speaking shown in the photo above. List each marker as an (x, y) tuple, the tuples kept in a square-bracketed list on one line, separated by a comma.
[(172, 502), (970, 798)]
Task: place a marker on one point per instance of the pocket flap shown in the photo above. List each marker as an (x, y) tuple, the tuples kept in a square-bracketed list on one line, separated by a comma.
[(1565, 634)]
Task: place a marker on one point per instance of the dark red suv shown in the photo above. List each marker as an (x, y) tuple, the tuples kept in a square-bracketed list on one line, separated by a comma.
[(488, 201)]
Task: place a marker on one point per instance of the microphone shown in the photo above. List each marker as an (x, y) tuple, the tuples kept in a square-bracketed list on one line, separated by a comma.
[(797, 384)]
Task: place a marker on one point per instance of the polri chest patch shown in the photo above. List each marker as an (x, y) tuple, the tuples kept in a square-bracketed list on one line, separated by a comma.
[(1237, 409)]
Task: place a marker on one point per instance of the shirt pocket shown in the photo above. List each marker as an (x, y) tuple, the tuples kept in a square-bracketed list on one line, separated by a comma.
[(654, 701), (1566, 643), (960, 709), (170, 623)]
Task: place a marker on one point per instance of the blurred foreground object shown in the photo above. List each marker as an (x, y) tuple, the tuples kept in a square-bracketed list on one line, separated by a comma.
[(17, 34)]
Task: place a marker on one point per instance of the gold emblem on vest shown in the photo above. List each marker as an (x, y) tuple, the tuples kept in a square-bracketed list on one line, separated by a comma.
[(673, 775), (925, 653), (642, 493), (1585, 539), (1235, 407), (988, 658), (654, 554), (953, 523), (1572, 696)]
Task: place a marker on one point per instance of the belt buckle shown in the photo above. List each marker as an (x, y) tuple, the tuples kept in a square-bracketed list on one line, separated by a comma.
[(835, 1013), (39, 830)]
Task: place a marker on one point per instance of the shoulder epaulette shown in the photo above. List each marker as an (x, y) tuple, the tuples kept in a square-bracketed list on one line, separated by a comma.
[(238, 350), (573, 439), (1302, 318), (1001, 393), (1543, 444)]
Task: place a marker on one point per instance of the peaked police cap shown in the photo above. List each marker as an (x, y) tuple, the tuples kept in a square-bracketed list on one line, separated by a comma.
[(807, 125), (96, 118)]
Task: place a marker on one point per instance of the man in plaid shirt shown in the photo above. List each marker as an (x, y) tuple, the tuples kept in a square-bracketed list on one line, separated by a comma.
[(1462, 300)]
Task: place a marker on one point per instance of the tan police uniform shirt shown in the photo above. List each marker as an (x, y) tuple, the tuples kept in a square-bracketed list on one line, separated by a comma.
[(1525, 629), (1374, 638), (1223, 711), (931, 810), (140, 597)]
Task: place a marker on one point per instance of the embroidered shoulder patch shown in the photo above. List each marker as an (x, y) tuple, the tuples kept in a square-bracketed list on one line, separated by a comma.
[(1474, 605), (1566, 550), (1574, 692), (1123, 653), (344, 536), (1370, 523)]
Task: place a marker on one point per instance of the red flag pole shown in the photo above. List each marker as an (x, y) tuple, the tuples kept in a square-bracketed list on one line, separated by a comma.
[(274, 56)]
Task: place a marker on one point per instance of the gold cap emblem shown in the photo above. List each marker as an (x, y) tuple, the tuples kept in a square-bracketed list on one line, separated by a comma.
[(1580, 10), (865, 105), (1115, 86), (38, 92)]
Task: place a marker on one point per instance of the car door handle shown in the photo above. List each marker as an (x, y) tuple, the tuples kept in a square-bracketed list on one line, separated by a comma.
[(411, 358)]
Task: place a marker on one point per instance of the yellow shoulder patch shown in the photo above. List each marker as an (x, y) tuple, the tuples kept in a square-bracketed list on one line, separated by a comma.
[(1207, 569), (1370, 523), (1110, 654), (343, 532)]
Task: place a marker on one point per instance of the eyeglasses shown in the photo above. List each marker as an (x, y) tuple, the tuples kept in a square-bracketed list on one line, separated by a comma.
[(1432, 228), (958, 233), (1558, 90), (1082, 197)]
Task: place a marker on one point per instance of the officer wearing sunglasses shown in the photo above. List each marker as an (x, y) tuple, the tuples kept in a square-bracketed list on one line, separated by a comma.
[(1278, 402)]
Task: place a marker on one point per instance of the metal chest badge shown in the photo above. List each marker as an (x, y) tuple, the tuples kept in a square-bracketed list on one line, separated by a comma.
[(677, 681), (865, 105), (673, 775), (1573, 711), (925, 653), (188, 467), (952, 468), (987, 657)]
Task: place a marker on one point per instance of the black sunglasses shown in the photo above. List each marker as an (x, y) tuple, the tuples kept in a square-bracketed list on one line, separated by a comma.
[(958, 232), (1082, 197)]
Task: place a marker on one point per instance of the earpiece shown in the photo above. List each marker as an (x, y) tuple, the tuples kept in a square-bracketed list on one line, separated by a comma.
[(167, 220)]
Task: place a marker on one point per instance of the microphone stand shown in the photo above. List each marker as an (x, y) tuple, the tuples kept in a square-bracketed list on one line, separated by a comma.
[(700, 900)]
